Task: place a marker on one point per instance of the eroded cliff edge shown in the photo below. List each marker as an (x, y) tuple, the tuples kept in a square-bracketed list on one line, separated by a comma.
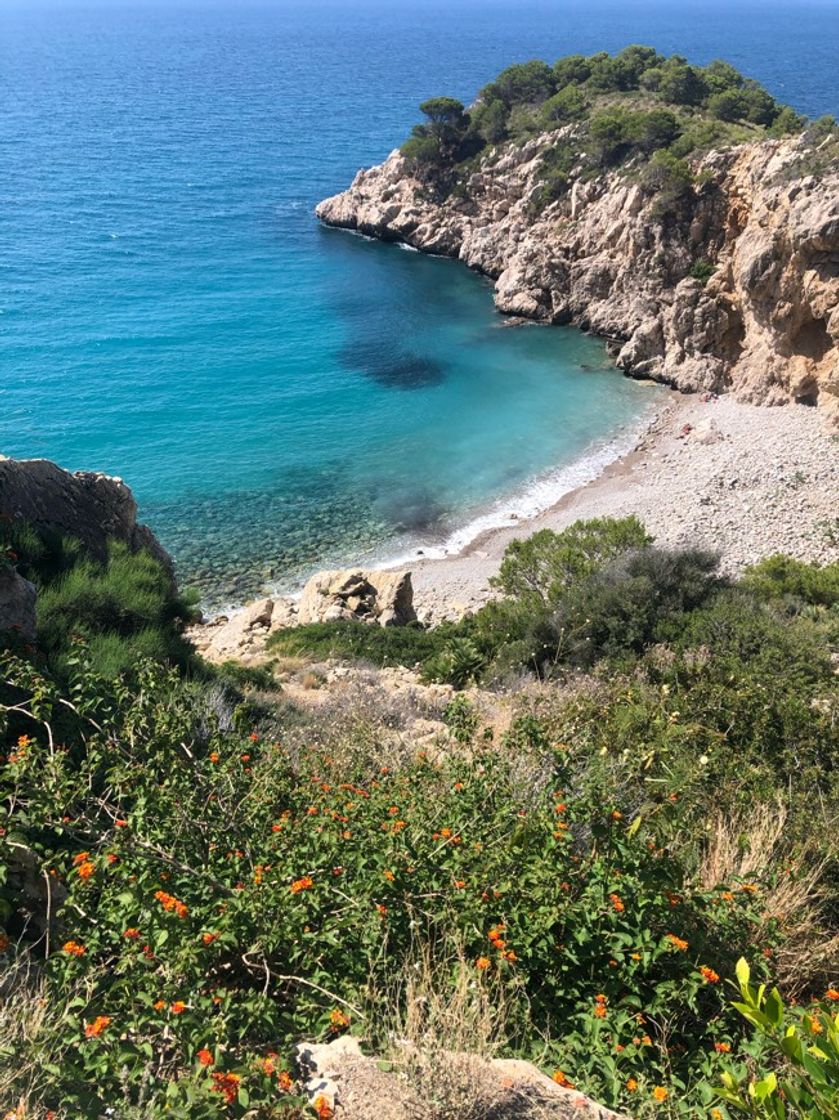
[(764, 325)]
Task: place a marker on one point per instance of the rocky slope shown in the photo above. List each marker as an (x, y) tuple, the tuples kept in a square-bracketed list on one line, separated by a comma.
[(766, 324)]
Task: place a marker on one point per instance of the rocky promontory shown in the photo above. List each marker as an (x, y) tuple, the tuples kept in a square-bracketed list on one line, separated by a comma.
[(734, 288)]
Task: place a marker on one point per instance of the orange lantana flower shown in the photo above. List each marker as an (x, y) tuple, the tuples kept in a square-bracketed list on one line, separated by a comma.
[(96, 1026), (171, 904), (227, 1084)]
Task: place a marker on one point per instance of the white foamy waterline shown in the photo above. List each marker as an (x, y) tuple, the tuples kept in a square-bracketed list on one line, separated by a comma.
[(533, 498), (513, 510)]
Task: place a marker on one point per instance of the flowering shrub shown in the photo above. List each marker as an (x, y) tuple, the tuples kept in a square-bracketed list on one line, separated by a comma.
[(211, 898)]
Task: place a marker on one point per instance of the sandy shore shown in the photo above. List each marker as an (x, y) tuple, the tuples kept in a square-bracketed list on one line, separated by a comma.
[(743, 479)]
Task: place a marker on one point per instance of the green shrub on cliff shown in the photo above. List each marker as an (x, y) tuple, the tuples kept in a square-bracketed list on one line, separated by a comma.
[(439, 139), (126, 606), (607, 100)]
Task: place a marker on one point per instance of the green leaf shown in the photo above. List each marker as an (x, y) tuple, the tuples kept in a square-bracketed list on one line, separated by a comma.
[(765, 1088), (753, 1015), (743, 973), (774, 1008)]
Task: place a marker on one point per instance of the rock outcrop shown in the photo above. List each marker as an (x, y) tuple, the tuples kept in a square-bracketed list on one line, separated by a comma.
[(17, 603), (764, 326), (92, 507), (243, 635), (383, 597), (356, 1087)]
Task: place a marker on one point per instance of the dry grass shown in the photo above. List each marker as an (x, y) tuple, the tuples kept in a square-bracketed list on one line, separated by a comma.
[(446, 1026), (755, 845), (27, 1033)]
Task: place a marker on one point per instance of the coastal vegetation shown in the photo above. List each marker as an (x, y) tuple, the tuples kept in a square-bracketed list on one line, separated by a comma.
[(630, 110), (198, 873), (124, 605)]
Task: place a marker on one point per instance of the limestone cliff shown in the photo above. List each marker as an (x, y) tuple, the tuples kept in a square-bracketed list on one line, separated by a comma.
[(765, 326), (87, 505)]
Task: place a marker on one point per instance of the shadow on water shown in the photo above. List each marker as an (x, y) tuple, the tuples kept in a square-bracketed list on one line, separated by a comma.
[(391, 370)]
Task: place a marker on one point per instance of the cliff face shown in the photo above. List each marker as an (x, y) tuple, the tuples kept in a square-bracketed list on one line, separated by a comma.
[(765, 326), (90, 506)]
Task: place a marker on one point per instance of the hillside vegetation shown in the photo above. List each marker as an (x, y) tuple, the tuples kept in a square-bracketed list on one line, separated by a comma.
[(635, 107), (197, 874)]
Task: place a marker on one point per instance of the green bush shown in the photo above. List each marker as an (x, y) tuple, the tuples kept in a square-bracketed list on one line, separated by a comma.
[(568, 105), (670, 179), (359, 641), (804, 1044), (702, 271), (546, 564), (125, 607), (783, 578), (620, 609)]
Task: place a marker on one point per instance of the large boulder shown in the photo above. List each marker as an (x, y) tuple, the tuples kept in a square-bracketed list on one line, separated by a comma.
[(17, 603), (386, 598), (359, 1087), (91, 507)]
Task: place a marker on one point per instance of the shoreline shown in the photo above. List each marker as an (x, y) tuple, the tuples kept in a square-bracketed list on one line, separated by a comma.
[(536, 497), (744, 480)]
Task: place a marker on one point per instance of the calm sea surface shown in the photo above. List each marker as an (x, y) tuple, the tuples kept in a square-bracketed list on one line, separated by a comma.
[(279, 395)]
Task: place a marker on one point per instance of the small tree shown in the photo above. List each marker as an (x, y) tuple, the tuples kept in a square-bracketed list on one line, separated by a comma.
[(727, 105), (437, 141), (489, 120), (574, 68), (568, 105), (680, 83)]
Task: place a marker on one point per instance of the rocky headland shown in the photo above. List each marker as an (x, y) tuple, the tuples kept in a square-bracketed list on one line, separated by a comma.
[(734, 289)]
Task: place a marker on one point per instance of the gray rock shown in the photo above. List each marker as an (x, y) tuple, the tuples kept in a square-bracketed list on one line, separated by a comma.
[(17, 604)]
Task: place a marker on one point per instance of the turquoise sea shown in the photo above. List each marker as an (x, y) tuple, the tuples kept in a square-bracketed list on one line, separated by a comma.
[(281, 396)]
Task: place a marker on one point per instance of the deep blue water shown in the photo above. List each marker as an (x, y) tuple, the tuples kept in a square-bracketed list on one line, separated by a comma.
[(279, 395)]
